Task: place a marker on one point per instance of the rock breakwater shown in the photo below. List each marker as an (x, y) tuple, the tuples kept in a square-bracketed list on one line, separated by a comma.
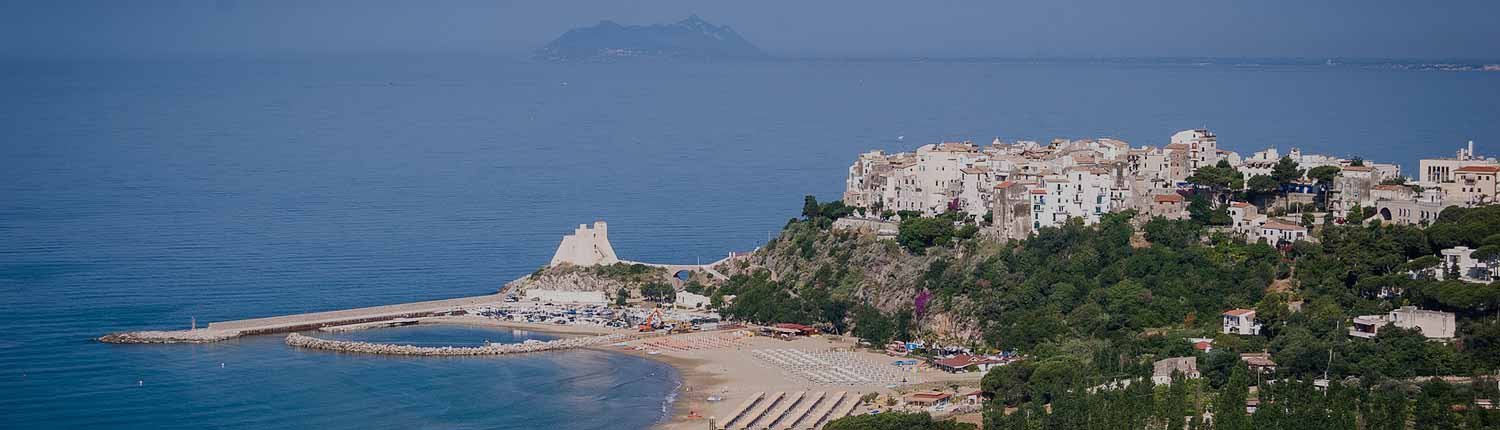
[(303, 341), (181, 336)]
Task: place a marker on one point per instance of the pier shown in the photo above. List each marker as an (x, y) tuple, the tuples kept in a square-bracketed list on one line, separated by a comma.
[(223, 330)]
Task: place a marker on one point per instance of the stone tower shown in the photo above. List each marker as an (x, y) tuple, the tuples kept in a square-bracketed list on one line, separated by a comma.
[(586, 247)]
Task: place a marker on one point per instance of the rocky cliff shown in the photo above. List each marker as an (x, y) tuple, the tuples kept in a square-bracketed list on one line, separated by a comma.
[(863, 268)]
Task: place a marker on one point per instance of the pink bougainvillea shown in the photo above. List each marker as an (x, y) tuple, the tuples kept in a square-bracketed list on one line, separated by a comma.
[(920, 305)]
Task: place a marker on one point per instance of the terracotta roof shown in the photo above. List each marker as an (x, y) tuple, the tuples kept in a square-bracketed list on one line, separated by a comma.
[(932, 396), (1004, 184), (1039, 191), (964, 360), (1168, 198), (1478, 169), (1239, 312), (1240, 204), (974, 170), (1257, 359), (1274, 225), (1203, 346)]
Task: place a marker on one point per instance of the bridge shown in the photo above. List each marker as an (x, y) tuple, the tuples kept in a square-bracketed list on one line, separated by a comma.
[(677, 269)]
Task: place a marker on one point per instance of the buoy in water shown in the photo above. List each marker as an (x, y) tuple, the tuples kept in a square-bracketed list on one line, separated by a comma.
[(140, 383)]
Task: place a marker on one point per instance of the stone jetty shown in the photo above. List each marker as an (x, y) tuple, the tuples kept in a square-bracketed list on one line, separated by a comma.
[(183, 336), (302, 341), (310, 321)]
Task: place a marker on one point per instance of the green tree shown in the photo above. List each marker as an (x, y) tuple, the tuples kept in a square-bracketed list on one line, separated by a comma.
[(1229, 406), (1218, 178), (870, 325), (810, 208), (1324, 175), (916, 234), (1260, 186), (895, 421), (1008, 384), (1170, 233), (1286, 171), (621, 297)]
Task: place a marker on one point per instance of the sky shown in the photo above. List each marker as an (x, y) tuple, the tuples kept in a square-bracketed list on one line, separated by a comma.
[(834, 28)]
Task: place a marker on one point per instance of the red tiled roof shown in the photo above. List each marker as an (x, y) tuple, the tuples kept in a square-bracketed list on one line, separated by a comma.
[(1168, 198), (1039, 191), (1239, 312), (1240, 204), (1478, 169)]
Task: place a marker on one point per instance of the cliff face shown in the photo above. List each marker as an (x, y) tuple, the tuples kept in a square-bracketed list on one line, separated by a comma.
[(860, 267), (691, 38)]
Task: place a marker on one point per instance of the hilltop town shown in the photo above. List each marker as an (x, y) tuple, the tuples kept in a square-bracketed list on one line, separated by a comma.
[(1023, 186)]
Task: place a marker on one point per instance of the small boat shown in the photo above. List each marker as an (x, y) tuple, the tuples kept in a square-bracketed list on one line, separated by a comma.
[(654, 353)]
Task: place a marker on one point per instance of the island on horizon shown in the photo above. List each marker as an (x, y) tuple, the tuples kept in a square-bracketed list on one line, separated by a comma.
[(690, 38)]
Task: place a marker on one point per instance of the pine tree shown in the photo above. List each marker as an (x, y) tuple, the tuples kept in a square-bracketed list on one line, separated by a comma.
[(1229, 407)]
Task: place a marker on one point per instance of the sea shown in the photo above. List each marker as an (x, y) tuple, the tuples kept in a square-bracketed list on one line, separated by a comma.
[(141, 194)]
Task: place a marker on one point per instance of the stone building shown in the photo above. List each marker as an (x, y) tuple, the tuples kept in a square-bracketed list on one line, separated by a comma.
[(586, 247)]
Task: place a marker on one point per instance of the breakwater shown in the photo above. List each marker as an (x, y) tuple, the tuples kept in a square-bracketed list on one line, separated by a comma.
[(310, 321), (302, 341)]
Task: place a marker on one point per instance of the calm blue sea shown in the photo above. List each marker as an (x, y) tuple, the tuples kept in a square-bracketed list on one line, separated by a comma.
[(141, 194)]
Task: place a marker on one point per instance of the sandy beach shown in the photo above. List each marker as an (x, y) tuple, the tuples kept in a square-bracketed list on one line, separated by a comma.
[(732, 366), (734, 373)]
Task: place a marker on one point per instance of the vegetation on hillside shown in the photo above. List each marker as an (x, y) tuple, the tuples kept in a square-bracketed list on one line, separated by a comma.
[(1089, 307), (895, 421)]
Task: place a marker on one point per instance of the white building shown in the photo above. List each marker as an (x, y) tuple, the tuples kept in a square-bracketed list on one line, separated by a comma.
[(1433, 324), (1203, 148), (691, 301), (586, 247), (1279, 233), (1241, 322), (1461, 260), (1437, 171)]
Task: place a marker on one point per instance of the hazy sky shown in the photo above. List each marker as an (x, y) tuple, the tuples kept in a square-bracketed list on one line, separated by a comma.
[(1050, 28)]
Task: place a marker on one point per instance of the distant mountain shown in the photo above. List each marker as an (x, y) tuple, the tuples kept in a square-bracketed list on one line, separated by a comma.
[(691, 38)]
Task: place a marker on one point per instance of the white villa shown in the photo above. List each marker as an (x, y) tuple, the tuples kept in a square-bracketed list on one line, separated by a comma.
[(1241, 322)]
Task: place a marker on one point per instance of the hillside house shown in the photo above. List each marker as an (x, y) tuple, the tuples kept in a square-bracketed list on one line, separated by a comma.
[(1241, 322)]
